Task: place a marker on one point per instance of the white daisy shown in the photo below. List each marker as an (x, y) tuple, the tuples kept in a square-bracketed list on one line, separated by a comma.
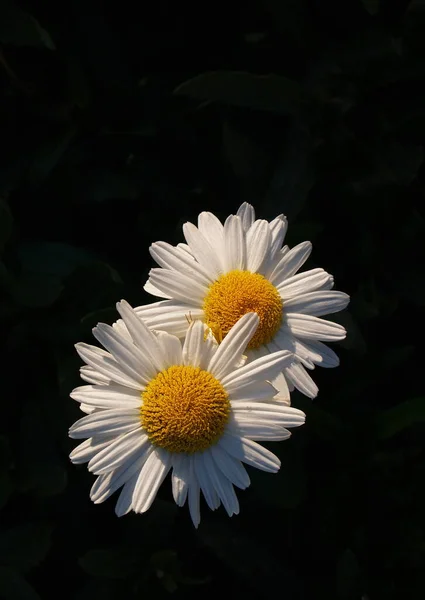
[(157, 404), (223, 272)]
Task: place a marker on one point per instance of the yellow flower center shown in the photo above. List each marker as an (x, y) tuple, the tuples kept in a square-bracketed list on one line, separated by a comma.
[(237, 293), (185, 409)]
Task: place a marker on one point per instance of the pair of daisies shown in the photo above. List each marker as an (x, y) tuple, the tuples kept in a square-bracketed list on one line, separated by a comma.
[(191, 383)]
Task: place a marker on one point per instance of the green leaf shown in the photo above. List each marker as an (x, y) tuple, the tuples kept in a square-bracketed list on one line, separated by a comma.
[(19, 28), (6, 223), (14, 587), (25, 546), (394, 420), (114, 563), (273, 93)]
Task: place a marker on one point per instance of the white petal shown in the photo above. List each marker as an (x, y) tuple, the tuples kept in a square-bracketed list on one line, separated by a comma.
[(92, 376), (278, 413), (318, 303), (186, 249), (290, 263), (258, 241), (212, 230), (301, 379), (247, 214), (314, 328), (87, 449), (282, 388), (132, 361), (150, 479), (202, 250), (171, 316), (107, 396), (106, 485), (284, 340), (233, 345), (125, 499), (171, 349), (208, 351), (121, 451), (106, 422), (254, 429), (222, 485), (194, 496), (176, 259), (250, 452), (151, 289), (178, 285), (278, 228), (207, 487), (193, 344), (321, 354), (309, 281), (105, 364), (261, 390), (141, 335), (231, 467), (266, 367), (234, 244), (180, 478), (85, 408)]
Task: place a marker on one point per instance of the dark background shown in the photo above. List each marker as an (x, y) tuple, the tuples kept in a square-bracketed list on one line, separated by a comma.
[(118, 123)]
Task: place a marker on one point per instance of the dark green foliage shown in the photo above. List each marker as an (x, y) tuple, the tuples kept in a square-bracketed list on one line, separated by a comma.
[(118, 123)]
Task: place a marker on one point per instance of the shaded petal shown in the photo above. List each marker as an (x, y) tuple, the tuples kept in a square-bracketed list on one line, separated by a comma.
[(257, 430), (207, 487), (171, 316), (222, 485), (234, 244), (261, 390), (308, 281), (151, 289), (194, 344), (290, 263), (177, 259), (250, 452), (92, 376), (118, 452), (231, 467), (178, 285), (321, 354), (107, 396), (106, 485), (233, 346), (125, 499), (266, 367), (278, 228), (314, 328), (301, 379), (194, 496), (247, 214), (171, 349), (106, 365), (180, 478), (150, 479), (318, 303), (106, 422), (202, 250), (89, 448)]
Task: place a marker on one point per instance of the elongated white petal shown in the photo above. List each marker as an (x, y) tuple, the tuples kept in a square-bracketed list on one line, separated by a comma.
[(107, 396), (284, 340), (231, 467), (309, 281), (321, 354), (171, 349), (141, 335), (178, 285), (258, 240), (202, 250), (150, 479), (234, 244), (194, 496), (250, 453), (262, 390), (125, 499), (207, 487), (278, 228), (132, 360), (118, 452), (106, 422), (257, 429), (212, 230), (299, 377), (266, 367), (194, 344), (87, 449), (222, 485), (177, 259), (106, 365), (173, 316), (290, 263), (151, 289), (106, 485), (314, 328), (233, 346), (247, 214), (180, 478), (276, 413), (92, 376), (318, 303)]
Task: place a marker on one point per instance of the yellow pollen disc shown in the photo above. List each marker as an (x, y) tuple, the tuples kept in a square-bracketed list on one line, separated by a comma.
[(185, 409), (237, 293)]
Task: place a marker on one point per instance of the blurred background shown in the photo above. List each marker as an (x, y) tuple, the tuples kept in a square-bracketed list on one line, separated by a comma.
[(118, 123)]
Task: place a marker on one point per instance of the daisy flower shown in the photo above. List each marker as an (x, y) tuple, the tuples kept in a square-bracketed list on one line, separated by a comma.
[(226, 271), (158, 404)]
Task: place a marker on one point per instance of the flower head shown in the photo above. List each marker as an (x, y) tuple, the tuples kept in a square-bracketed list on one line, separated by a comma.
[(226, 271), (156, 404)]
